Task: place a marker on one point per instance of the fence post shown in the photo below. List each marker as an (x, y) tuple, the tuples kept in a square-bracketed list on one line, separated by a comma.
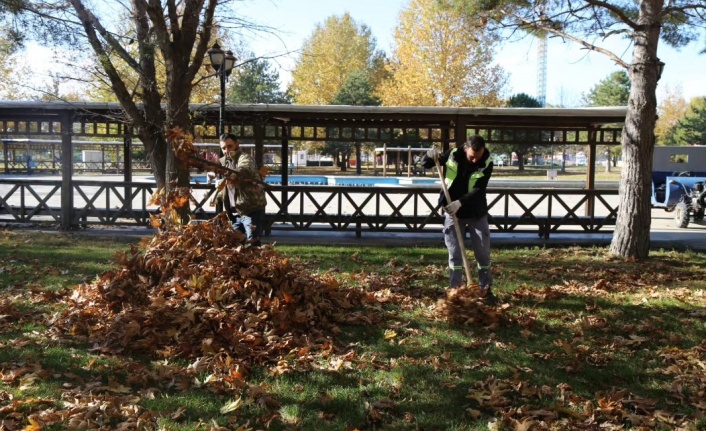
[(358, 162), (591, 171), (127, 165), (284, 154), (284, 171), (67, 188)]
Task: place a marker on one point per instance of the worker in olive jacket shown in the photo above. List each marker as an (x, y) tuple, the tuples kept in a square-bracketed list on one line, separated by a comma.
[(243, 193)]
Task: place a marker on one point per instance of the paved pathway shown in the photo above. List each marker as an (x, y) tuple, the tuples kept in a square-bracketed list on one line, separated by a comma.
[(663, 235)]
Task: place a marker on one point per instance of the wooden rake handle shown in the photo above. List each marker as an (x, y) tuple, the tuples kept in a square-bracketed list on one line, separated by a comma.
[(457, 226)]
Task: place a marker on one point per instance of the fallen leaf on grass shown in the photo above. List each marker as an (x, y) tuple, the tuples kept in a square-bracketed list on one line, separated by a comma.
[(232, 406)]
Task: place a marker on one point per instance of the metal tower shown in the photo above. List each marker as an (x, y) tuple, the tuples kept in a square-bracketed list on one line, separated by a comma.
[(542, 68)]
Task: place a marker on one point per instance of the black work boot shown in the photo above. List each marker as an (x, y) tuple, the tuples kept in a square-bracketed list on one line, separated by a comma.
[(488, 296)]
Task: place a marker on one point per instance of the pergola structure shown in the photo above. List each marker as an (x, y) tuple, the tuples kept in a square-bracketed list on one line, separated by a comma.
[(290, 125)]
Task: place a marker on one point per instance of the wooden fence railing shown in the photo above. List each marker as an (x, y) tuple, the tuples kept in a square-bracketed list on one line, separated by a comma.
[(314, 208)]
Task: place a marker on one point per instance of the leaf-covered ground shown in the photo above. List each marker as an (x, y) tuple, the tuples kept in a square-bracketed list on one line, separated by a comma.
[(187, 331)]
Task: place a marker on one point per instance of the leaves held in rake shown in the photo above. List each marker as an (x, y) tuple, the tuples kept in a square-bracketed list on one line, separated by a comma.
[(465, 305)]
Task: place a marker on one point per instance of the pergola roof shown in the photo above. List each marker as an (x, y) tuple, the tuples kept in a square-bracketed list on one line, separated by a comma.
[(337, 114)]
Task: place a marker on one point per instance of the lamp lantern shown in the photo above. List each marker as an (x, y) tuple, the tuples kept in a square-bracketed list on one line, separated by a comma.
[(217, 57), (230, 60)]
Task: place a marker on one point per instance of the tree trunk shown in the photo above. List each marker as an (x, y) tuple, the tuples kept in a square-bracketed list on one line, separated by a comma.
[(178, 92), (563, 160), (520, 161), (344, 162), (155, 148), (632, 229), (358, 167), (183, 44)]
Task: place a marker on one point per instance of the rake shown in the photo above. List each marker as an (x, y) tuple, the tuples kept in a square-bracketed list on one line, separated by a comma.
[(457, 226)]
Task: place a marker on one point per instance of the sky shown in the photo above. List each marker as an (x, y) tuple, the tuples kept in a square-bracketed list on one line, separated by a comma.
[(571, 72)]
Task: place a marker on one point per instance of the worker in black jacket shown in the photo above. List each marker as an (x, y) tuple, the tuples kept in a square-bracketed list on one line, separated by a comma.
[(466, 173)]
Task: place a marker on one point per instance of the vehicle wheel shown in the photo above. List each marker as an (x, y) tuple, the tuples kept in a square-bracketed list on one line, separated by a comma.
[(681, 215), (699, 215)]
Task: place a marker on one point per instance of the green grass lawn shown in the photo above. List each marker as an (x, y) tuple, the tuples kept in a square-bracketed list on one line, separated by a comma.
[(579, 338)]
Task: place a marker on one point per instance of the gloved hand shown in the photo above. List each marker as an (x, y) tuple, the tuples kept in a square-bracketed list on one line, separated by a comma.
[(433, 154), (220, 184), (453, 207)]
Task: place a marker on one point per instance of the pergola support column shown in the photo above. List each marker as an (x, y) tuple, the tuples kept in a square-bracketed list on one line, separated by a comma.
[(67, 188)]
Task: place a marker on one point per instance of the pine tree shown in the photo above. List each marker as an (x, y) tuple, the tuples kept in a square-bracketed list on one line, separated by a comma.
[(691, 129), (357, 91), (611, 91), (256, 82)]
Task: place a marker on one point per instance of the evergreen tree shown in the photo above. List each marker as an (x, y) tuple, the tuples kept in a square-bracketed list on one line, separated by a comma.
[(256, 82), (357, 91), (691, 129), (611, 91), (519, 100), (523, 100)]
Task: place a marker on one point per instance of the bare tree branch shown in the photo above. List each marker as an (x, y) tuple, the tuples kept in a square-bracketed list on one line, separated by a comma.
[(581, 42), (117, 83), (204, 37), (109, 37)]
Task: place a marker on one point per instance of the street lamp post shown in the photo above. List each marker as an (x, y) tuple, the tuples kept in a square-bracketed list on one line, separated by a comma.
[(222, 62)]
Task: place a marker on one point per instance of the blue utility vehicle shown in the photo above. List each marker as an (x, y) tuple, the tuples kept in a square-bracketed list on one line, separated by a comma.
[(678, 178)]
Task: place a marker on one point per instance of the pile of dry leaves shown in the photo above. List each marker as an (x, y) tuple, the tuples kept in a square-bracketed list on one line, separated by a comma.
[(194, 291)]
